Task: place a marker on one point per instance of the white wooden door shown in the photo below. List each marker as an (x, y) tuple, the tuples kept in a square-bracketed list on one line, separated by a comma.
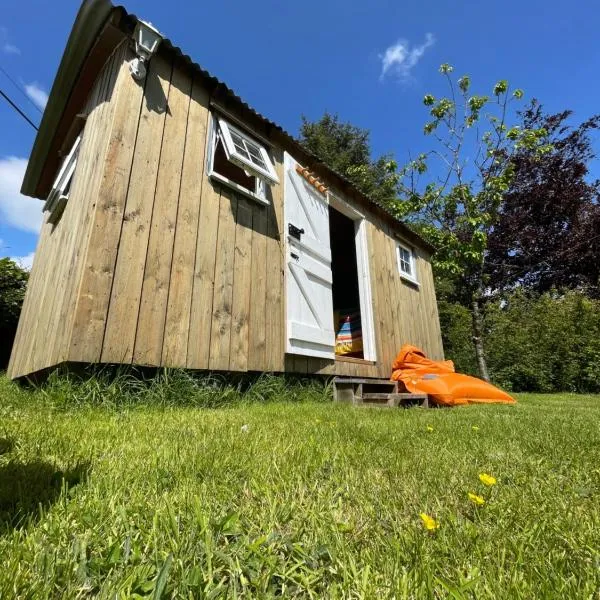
[(309, 301)]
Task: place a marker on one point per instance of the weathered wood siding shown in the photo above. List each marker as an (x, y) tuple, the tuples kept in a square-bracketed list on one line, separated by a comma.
[(177, 266), (403, 313), (153, 263), (48, 313)]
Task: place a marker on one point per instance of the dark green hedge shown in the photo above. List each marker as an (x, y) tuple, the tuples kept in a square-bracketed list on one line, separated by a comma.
[(545, 343)]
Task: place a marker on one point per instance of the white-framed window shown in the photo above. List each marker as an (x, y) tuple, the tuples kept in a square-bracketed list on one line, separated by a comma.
[(407, 264), (59, 195), (239, 161)]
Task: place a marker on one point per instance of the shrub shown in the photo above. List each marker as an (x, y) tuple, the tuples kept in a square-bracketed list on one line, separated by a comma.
[(544, 343), (455, 322), (13, 282)]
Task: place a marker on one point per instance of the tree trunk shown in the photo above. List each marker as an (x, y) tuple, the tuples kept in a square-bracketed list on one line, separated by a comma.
[(477, 328)]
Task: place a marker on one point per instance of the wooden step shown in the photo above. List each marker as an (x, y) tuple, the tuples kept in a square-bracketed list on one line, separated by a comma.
[(371, 380), (376, 397), (408, 399), (352, 389), (395, 400), (375, 392)]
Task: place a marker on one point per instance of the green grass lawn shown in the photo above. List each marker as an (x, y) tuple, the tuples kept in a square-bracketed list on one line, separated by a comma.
[(297, 499)]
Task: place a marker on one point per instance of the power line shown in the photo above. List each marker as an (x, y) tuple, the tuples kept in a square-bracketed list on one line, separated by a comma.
[(20, 88), (18, 110)]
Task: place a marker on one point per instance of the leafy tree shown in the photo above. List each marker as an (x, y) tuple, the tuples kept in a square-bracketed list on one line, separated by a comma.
[(346, 149), (548, 231), (535, 343), (460, 207), (455, 325), (13, 282), (544, 343)]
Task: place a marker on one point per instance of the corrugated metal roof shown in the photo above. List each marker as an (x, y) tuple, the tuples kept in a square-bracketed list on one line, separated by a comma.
[(231, 95), (90, 20)]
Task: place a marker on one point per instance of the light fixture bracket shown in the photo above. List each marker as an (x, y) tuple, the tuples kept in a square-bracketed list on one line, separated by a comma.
[(137, 68), (146, 40)]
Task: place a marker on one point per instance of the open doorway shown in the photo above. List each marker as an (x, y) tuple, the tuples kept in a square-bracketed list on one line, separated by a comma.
[(347, 318)]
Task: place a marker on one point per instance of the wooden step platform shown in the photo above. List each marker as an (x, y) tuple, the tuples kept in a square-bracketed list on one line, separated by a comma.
[(375, 392)]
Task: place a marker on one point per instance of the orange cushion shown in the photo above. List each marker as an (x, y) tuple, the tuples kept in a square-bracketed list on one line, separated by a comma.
[(438, 379)]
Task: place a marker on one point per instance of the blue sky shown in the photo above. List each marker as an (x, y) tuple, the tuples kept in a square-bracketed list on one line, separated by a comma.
[(293, 58)]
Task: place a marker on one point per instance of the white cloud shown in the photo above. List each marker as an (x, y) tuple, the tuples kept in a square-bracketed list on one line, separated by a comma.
[(17, 210), (25, 262), (37, 94), (10, 49), (399, 59), (7, 47)]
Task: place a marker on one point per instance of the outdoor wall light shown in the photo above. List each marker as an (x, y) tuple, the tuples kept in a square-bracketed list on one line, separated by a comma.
[(146, 38)]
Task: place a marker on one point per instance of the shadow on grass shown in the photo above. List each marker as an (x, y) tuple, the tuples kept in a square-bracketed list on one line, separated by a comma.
[(28, 489), (6, 445)]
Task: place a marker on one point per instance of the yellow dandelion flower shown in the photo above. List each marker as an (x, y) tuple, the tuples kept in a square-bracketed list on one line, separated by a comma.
[(429, 522), (429, 428), (475, 428), (475, 499), (486, 479)]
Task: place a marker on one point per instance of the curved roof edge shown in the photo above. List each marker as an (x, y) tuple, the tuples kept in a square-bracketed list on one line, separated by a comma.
[(89, 22), (92, 15)]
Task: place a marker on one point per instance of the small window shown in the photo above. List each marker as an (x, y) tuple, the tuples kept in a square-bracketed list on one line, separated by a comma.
[(407, 263), (59, 195), (239, 161)]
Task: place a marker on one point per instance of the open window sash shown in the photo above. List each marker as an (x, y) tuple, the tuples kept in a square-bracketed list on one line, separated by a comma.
[(61, 187), (246, 153)]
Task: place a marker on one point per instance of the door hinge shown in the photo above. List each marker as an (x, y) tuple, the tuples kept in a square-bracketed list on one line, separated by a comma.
[(295, 231)]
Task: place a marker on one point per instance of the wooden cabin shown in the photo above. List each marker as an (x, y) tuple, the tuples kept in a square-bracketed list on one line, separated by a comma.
[(184, 229)]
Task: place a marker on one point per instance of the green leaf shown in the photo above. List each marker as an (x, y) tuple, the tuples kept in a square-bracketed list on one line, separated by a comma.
[(500, 87), (518, 94), (513, 133), (446, 68), (463, 83), (478, 102), (429, 127), (428, 100), (442, 108), (161, 580)]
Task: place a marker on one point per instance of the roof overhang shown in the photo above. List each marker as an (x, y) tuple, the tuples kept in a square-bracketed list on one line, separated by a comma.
[(98, 29), (91, 21)]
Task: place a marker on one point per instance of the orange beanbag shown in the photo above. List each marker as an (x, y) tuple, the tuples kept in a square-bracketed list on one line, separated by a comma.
[(422, 375)]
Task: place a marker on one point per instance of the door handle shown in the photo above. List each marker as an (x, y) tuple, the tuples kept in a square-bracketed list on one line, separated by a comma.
[(295, 231)]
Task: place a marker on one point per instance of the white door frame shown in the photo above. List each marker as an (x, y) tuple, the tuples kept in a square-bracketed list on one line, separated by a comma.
[(364, 276)]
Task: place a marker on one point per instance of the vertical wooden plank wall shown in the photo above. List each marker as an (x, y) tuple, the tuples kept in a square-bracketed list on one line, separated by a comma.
[(180, 271), (220, 332), (159, 254), (257, 319), (404, 313), (102, 124), (49, 309), (175, 347), (95, 290), (275, 288), (153, 263), (242, 288), (124, 306)]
